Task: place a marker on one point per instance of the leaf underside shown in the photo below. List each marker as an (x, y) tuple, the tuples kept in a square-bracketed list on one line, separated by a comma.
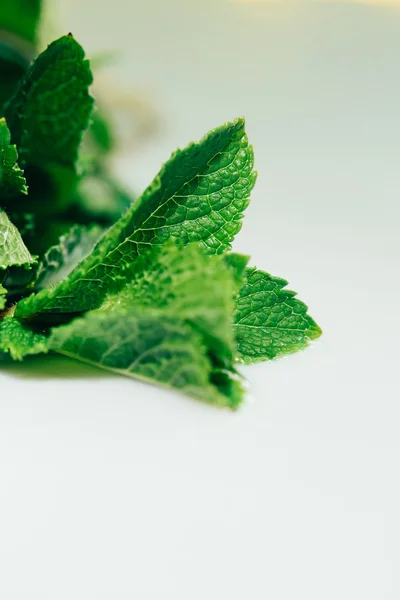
[(147, 346), (13, 252)]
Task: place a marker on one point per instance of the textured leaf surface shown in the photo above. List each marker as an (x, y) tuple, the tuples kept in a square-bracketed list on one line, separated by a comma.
[(13, 251), (20, 339), (172, 324), (145, 345), (52, 106), (73, 247), (199, 195), (184, 282), (12, 180), (269, 320), (20, 17)]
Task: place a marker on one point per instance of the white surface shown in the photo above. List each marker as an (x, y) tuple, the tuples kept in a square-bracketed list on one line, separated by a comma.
[(113, 490)]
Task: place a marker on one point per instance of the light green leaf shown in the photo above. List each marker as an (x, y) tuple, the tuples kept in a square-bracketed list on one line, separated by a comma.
[(184, 282), (148, 346), (269, 320), (171, 324), (238, 264), (13, 252), (59, 260), (51, 109), (3, 294), (20, 17), (199, 195), (21, 339), (12, 180)]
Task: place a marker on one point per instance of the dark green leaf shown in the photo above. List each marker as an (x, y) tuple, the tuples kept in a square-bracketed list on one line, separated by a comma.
[(13, 64), (20, 17), (199, 195), (48, 116)]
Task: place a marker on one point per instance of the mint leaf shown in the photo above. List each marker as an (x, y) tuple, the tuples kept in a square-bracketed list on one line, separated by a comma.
[(199, 195), (20, 17), (49, 113), (184, 282), (145, 345), (21, 339), (269, 320), (13, 252), (59, 260), (12, 180), (171, 324)]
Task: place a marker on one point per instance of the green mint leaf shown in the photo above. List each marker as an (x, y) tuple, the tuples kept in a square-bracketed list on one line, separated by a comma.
[(199, 195), (73, 247), (21, 339), (49, 113), (184, 282), (269, 320), (12, 180), (20, 17), (13, 252), (147, 345), (171, 324)]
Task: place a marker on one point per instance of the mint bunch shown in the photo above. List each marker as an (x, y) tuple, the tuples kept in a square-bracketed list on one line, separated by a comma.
[(147, 288)]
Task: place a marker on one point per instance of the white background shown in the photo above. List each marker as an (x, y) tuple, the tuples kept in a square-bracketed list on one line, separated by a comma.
[(113, 490)]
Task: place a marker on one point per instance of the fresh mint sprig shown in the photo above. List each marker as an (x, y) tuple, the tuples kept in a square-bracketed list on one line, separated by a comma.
[(154, 293)]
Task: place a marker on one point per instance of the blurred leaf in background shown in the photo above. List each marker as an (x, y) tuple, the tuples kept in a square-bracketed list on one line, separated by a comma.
[(21, 18), (60, 189)]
